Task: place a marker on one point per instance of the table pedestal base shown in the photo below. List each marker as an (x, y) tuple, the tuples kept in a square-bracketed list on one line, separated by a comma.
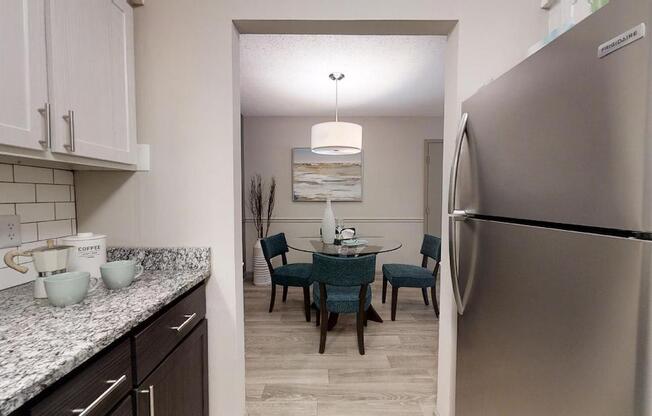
[(372, 315)]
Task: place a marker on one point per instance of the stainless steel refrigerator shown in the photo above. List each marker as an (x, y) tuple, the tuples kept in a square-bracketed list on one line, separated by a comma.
[(551, 227)]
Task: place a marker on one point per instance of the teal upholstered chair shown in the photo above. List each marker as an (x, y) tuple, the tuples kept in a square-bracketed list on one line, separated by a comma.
[(406, 275), (342, 286), (295, 274)]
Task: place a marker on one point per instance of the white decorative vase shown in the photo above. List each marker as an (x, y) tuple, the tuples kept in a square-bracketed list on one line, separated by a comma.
[(261, 271), (328, 224)]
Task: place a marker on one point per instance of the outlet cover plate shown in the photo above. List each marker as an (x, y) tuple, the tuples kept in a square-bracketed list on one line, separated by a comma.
[(10, 231)]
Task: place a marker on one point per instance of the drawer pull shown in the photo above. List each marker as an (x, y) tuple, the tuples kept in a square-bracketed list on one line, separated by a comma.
[(189, 319), (150, 391), (114, 385)]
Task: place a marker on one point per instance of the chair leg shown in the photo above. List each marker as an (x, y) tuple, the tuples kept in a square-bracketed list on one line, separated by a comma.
[(360, 328), (285, 293), (394, 300), (360, 318), (318, 318), (306, 302), (434, 300), (273, 298), (324, 317), (424, 292), (323, 328), (384, 288)]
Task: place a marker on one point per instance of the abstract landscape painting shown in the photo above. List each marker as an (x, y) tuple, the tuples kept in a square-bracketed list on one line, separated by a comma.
[(319, 177)]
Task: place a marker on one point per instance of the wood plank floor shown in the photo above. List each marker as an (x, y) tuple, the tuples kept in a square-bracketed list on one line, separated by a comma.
[(286, 375)]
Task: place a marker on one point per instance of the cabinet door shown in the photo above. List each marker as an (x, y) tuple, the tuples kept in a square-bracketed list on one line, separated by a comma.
[(179, 385), (23, 73), (91, 65)]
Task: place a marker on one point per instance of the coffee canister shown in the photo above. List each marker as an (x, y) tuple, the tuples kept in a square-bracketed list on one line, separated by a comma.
[(88, 253)]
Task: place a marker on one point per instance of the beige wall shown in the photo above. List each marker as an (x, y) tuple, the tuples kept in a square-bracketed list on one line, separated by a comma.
[(188, 111), (393, 179)]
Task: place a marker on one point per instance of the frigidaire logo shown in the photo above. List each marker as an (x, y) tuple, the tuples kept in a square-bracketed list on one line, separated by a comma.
[(619, 41), (89, 248)]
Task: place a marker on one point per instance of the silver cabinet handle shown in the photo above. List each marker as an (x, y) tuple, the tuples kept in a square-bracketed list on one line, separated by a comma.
[(114, 385), (455, 215), (150, 391), (45, 112), (189, 319), (70, 118)]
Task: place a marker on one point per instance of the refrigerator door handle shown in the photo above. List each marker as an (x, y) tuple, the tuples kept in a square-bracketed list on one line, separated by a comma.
[(455, 215), (452, 186)]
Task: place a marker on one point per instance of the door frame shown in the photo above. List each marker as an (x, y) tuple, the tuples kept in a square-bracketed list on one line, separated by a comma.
[(426, 142)]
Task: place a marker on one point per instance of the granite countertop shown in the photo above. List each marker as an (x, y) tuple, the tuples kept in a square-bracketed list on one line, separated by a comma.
[(39, 344)]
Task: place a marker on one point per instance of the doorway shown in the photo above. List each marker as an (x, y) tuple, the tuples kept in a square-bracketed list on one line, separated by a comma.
[(284, 372)]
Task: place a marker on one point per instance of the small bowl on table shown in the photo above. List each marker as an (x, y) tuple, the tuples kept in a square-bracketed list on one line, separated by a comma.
[(68, 288)]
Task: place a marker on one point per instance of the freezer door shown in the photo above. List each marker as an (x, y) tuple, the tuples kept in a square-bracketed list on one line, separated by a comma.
[(564, 136), (556, 323)]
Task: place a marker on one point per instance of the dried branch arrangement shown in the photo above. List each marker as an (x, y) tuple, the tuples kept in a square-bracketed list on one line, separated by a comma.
[(258, 206)]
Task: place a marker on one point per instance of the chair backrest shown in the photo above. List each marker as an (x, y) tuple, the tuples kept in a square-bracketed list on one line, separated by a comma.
[(343, 271), (274, 246), (431, 247)]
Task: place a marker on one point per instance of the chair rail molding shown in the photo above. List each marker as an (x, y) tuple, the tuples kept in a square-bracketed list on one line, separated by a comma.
[(361, 220)]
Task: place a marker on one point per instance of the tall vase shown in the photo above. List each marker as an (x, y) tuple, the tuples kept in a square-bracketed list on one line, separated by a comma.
[(261, 271), (328, 224)]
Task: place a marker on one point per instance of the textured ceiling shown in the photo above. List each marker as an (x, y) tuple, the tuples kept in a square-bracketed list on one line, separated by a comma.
[(287, 75)]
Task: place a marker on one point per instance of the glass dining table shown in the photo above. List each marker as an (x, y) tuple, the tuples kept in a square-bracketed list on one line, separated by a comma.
[(364, 246)]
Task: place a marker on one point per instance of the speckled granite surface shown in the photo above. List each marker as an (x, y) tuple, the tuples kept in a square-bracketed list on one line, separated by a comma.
[(40, 344), (180, 258)]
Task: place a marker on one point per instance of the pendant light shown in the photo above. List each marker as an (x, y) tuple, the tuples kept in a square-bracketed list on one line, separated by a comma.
[(336, 137)]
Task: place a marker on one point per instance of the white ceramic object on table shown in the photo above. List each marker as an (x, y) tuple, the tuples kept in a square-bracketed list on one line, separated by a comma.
[(88, 254), (48, 260), (121, 273), (68, 288), (328, 224), (262, 277)]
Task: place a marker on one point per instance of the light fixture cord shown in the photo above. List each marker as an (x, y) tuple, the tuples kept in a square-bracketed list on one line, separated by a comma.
[(336, 100)]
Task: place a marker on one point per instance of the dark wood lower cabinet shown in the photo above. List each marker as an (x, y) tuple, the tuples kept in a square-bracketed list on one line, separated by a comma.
[(179, 385), (126, 408), (168, 352)]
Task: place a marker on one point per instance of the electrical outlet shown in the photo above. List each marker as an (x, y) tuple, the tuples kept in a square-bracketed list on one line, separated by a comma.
[(10, 231)]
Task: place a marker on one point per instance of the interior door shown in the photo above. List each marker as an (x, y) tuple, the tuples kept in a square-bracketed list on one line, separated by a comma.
[(179, 385), (23, 74), (556, 322), (434, 160), (564, 136), (91, 80)]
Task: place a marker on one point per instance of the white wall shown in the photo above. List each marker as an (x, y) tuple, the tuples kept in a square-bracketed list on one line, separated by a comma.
[(393, 179), (188, 111)]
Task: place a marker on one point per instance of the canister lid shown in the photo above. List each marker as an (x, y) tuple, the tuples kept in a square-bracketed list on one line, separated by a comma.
[(83, 236)]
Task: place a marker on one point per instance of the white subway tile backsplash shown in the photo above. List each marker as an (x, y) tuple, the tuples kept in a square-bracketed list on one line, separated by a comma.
[(10, 277), (54, 229), (43, 199), (31, 174), (52, 193), (7, 209), (65, 210), (6, 173), (16, 192), (63, 177), (28, 232), (35, 212)]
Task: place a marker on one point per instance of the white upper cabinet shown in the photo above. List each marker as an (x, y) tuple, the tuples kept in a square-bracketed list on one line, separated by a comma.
[(23, 75), (90, 50)]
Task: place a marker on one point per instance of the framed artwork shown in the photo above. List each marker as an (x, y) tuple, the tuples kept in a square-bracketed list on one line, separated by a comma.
[(319, 177)]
